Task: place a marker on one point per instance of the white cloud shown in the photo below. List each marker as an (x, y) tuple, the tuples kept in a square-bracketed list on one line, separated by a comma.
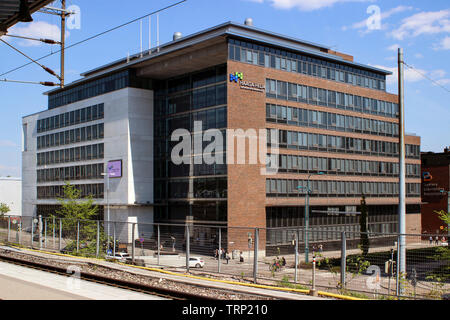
[(438, 74), (38, 30), (409, 75), (7, 143), (443, 82), (394, 47), (383, 15), (415, 75), (305, 5), (444, 44), (432, 22), (418, 55)]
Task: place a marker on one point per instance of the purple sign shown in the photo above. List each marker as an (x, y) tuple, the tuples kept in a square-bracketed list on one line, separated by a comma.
[(115, 169)]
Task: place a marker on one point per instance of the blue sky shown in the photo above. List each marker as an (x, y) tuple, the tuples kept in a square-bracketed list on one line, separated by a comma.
[(421, 28)]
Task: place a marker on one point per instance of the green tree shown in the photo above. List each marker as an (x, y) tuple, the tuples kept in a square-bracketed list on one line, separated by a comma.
[(443, 253), (364, 227), (4, 208), (76, 211)]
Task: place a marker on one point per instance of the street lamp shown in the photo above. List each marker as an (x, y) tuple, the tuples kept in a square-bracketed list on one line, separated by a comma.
[(308, 192), (105, 174)]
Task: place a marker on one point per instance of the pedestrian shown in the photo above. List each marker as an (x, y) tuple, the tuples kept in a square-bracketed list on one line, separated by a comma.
[(436, 240), (431, 240), (216, 254), (241, 258), (227, 256), (283, 261), (320, 248)]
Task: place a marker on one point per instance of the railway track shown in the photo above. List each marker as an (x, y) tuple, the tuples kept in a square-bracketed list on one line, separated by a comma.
[(128, 285)]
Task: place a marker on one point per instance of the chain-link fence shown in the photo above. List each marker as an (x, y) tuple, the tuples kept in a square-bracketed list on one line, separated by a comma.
[(333, 258)]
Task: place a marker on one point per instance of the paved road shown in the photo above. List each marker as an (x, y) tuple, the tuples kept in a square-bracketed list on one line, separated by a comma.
[(20, 283)]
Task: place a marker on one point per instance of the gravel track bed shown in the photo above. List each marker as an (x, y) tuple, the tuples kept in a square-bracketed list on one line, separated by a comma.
[(91, 268)]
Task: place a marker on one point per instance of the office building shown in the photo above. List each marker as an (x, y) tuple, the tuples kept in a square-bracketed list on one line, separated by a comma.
[(321, 112)]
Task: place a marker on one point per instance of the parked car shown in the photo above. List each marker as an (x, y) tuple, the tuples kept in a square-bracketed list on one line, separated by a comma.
[(196, 262), (119, 256)]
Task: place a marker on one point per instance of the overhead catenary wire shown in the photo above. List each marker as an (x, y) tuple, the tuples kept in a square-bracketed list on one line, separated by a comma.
[(96, 35), (32, 60), (425, 76)]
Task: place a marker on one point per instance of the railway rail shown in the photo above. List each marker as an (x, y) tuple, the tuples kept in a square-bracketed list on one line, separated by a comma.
[(128, 285)]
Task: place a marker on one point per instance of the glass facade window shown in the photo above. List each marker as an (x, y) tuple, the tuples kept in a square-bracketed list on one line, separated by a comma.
[(338, 188), (282, 90), (328, 120), (93, 88), (331, 143), (70, 118), (280, 59)]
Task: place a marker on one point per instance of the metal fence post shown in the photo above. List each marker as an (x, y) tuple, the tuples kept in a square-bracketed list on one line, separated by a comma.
[(296, 256), (133, 245), (220, 250), (398, 268), (9, 229), (20, 231), (32, 231), (114, 239), (60, 234), (159, 244), (97, 249), (78, 235), (188, 249), (53, 224), (313, 291), (343, 259), (40, 231), (45, 233), (255, 256)]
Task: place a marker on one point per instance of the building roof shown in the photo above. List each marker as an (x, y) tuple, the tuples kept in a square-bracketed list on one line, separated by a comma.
[(226, 29), (10, 11), (10, 179)]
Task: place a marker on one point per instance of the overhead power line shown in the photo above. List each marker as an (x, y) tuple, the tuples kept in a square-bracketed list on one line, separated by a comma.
[(425, 76), (96, 36)]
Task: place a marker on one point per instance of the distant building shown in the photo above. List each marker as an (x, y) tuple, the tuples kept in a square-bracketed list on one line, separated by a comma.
[(11, 194), (435, 185)]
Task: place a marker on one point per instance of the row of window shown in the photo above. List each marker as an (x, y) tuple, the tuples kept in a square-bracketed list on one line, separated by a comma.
[(197, 79), (71, 118), (295, 216), (210, 119), (86, 172), (329, 232), (196, 99), (316, 96), (90, 152), (318, 188), (330, 143), (330, 121), (52, 192), (183, 170), (202, 188), (94, 132), (303, 164), (283, 60), (97, 87)]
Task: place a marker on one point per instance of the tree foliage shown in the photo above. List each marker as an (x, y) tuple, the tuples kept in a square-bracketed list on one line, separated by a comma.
[(4, 208), (75, 216)]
